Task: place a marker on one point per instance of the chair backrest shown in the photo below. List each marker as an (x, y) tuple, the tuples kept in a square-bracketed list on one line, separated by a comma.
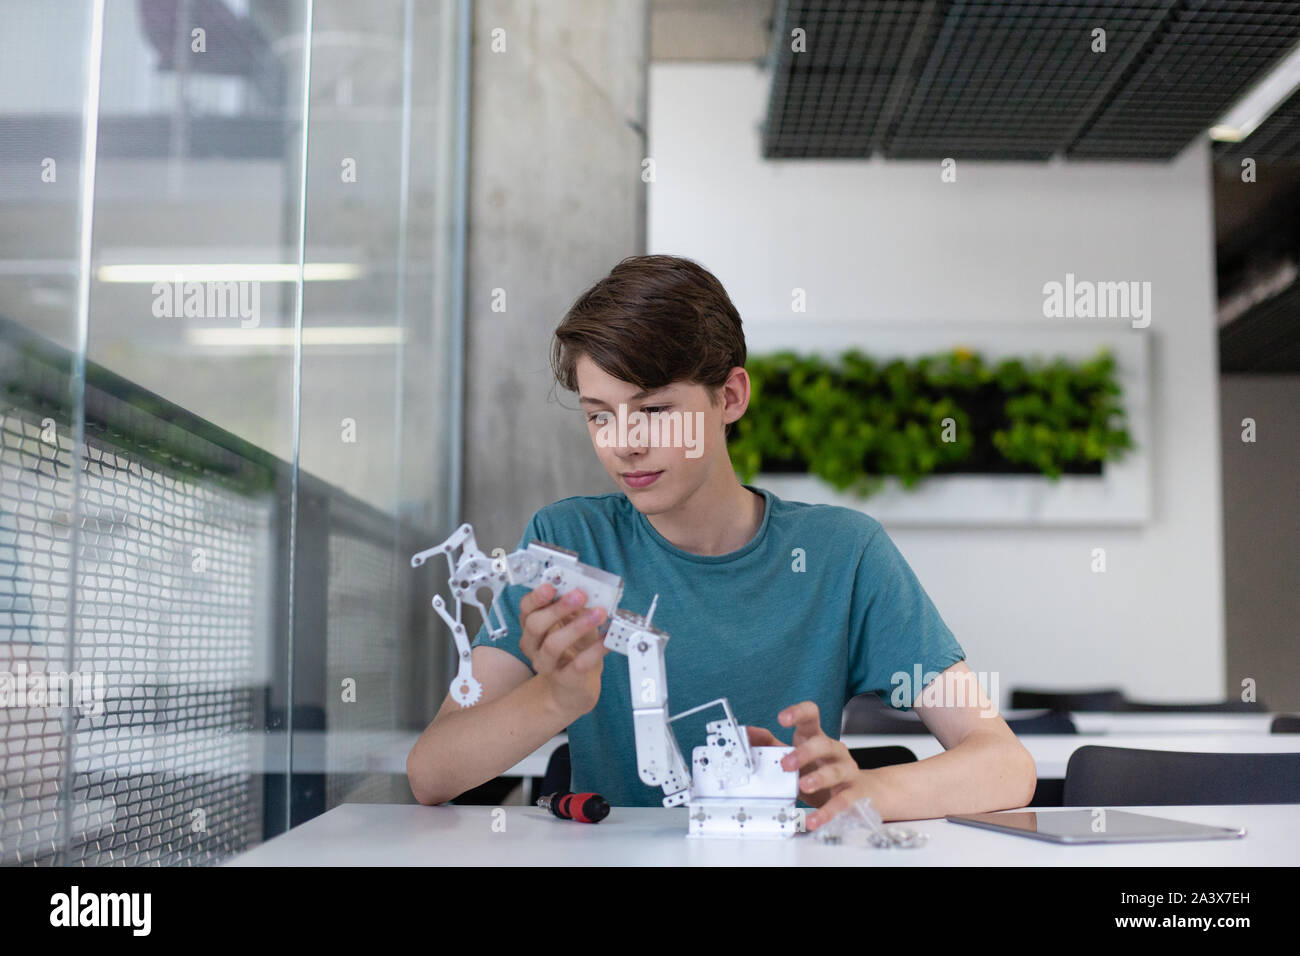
[(870, 720), (559, 772), (1120, 776), (1218, 707), (1048, 722), (866, 715), (863, 713), (1103, 699), (869, 758), (1285, 724)]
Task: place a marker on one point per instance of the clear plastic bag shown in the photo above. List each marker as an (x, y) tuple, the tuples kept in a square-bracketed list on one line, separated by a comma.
[(861, 825)]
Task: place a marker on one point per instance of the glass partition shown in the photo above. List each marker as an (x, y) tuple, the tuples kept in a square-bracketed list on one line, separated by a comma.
[(222, 444), (45, 74)]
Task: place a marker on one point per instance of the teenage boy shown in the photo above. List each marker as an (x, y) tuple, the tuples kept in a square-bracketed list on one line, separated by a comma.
[(785, 608)]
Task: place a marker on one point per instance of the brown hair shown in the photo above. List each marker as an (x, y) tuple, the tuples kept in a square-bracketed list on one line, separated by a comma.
[(652, 321)]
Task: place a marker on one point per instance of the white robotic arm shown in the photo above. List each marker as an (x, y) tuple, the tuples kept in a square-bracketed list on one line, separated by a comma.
[(475, 572), (658, 758), (735, 790)]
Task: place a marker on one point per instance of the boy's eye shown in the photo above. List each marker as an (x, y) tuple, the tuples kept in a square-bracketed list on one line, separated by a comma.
[(601, 417)]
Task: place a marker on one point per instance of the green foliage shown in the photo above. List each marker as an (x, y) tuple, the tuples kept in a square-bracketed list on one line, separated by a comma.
[(853, 420), (1065, 414)]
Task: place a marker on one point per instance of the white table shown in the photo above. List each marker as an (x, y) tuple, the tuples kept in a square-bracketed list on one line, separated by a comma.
[(403, 835), (1157, 723), (1125, 722)]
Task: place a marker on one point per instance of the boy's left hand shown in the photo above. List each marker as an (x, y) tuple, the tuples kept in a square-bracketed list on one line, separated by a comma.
[(826, 768)]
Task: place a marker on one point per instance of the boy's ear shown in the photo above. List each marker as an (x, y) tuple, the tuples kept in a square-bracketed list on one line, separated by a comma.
[(720, 396), (740, 385)]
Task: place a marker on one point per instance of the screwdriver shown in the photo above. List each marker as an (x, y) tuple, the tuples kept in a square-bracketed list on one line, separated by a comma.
[(583, 807)]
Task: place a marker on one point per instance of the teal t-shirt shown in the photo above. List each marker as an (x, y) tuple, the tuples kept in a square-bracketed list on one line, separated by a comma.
[(819, 605)]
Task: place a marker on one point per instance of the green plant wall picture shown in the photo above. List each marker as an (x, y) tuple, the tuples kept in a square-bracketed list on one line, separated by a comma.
[(853, 421)]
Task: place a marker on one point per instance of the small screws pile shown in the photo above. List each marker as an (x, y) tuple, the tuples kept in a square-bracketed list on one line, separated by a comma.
[(861, 825)]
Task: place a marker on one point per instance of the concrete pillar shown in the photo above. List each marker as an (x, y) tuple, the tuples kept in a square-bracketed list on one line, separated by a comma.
[(557, 136)]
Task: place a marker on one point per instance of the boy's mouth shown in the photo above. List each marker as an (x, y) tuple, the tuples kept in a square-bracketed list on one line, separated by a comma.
[(641, 479)]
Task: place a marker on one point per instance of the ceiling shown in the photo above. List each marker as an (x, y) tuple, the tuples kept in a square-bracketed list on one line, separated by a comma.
[(977, 79), (1020, 81)]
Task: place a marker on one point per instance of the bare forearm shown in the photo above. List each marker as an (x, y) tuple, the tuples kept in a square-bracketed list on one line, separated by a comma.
[(985, 772), (461, 750)]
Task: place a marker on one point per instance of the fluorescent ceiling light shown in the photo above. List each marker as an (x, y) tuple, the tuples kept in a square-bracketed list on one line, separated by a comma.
[(1227, 134), (283, 337), (1266, 96), (228, 272)]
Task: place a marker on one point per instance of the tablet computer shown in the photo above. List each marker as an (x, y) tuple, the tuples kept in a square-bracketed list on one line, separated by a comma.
[(1095, 826)]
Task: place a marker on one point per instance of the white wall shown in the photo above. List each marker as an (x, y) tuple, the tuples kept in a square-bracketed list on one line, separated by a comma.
[(882, 240)]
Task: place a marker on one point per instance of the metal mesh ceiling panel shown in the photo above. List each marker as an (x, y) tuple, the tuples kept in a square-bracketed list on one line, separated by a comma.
[(1206, 55), (1016, 80), (835, 98), (977, 79)]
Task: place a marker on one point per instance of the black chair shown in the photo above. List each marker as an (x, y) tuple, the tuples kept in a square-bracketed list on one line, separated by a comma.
[(871, 758), (1119, 776), (1048, 722), (1048, 792), (868, 714), (1219, 707), (1091, 701), (558, 776), (1285, 724)]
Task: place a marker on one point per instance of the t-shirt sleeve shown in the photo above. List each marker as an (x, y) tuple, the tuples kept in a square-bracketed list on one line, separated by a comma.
[(511, 595), (899, 643)]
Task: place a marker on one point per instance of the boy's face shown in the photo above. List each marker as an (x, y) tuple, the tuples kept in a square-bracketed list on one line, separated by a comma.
[(679, 443)]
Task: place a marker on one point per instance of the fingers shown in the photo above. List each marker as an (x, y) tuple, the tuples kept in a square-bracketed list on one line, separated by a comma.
[(533, 637), (537, 597), (560, 639), (830, 775), (567, 640), (539, 612), (591, 658), (762, 737), (805, 718), (584, 641), (832, 808), (806, 756)]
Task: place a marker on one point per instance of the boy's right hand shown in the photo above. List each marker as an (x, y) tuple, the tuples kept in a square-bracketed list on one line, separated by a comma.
[(561, 641)]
